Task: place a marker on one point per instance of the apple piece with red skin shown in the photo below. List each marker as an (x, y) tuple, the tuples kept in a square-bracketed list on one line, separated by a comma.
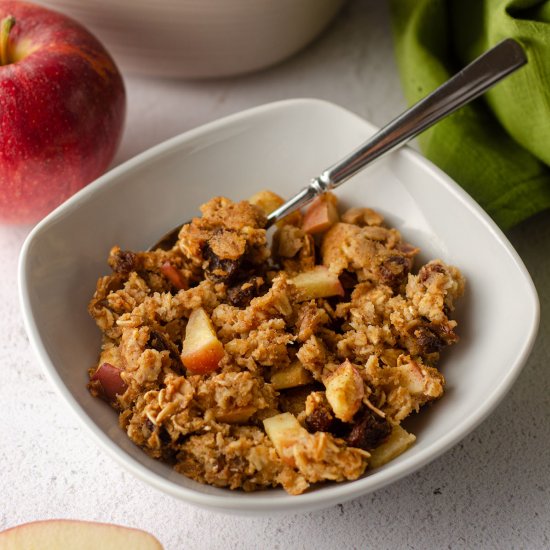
[(319, 282), (75, 534), (174, 275), (321, 214), (110, 380), (62, 110), (201, 350)]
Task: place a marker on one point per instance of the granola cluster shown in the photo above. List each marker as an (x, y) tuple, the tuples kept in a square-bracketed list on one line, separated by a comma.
[(248, 365)]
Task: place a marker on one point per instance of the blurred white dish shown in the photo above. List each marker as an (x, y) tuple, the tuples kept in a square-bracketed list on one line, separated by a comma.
[(198, 38), (278, 146)]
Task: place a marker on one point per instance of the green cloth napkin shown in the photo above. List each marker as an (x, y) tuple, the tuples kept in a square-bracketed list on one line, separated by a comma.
[(497, 148)]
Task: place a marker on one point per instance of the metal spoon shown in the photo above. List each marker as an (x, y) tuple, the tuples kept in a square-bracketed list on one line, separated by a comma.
[(472, 81)]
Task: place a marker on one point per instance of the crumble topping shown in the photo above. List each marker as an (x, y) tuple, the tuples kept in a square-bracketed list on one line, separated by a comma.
[(247, 365)]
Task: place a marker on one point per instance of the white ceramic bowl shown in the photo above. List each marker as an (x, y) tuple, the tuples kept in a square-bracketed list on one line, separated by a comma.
[(200, 38), (278, 146)]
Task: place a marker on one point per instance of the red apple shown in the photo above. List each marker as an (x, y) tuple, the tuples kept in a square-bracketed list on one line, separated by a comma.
[(62, 108), (201, 350)]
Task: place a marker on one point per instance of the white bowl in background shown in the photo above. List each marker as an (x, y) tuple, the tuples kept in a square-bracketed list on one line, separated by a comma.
[(200, 38), (278, 146)]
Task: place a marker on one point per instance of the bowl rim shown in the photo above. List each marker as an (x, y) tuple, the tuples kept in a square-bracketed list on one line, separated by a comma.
[(262, 503)]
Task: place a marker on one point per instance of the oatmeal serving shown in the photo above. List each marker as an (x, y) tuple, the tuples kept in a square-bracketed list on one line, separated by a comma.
[(250, 365)]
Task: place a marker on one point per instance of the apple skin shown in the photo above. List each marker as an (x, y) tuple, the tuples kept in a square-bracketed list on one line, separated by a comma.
[(321, 214), (62, 111), (111, 382), (201, 350), (174, 276)]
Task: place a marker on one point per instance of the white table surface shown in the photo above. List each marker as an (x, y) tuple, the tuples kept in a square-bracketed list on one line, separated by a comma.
[(491, 491)]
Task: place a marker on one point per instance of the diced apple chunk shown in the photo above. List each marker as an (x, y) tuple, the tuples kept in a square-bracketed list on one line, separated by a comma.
[(318, 283), (269, 201), (412, 377), (238, 415), (110, 380), (175, 276), (345, 391), (398, 442), (362, 217), (284, 430), (266, 200), (77, 535), (201, 350), (321, 214), (419, 379), (291, 377)]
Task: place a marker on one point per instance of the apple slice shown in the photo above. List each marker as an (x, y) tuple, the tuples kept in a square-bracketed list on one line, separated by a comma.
[(320, 215), (291, 377), (239, 415), (175, 276), (111, 382), (201, 351), (398, 442), (266, 200), (284, 430), (77, 535), (269, 201), (345, 391), (319, 282), (418, 379)]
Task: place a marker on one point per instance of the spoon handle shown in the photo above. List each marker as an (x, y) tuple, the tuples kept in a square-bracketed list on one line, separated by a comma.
[(466, 85)]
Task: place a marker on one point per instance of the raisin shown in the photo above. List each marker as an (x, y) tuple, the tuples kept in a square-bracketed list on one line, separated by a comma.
[(157, 341), (428, 340), (164, 436), (393, 271), (348, 279), (124, 261), (241, 297), (320, 420), (218, 270), (368, 431), (161, 343)]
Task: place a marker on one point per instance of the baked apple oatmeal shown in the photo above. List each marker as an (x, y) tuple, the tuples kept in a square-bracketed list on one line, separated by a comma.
[(250, 365)]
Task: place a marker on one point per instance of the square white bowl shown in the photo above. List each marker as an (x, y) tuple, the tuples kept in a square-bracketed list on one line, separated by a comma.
[(279, 146)]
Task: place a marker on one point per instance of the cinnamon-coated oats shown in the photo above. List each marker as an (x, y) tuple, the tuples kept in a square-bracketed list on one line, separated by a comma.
[(333, 376)]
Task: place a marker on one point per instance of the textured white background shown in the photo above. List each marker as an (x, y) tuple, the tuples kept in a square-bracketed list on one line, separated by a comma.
[(491, 491)]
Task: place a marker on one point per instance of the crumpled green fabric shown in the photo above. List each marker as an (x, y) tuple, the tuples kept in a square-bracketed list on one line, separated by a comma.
[(498, 147)]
